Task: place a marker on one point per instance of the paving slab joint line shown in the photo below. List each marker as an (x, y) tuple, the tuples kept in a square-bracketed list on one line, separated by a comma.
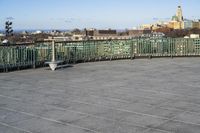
[(143, 114), (168, 93), (120, 99), (13, 98), (19, 129), (167, 99), (170, 120), (185, 111), (150, 97), (99, 105), (167, 119), (103, 117), (52, 120), (127, 101), (174, 119), (18, 99), (137, 125), (100, 118), (63, 109), (147, 131)]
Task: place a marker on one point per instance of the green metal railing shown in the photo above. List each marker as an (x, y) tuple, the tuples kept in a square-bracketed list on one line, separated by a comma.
[(35, 55)]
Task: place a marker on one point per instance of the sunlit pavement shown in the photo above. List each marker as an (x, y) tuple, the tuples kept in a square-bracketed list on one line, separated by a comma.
[(127, 96)]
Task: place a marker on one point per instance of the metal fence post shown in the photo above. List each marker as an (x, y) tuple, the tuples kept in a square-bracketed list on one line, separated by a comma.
[(131, 52), (111, 52), (34, 57)]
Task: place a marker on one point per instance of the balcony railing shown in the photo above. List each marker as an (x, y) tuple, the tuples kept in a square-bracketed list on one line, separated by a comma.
[(34, 55)]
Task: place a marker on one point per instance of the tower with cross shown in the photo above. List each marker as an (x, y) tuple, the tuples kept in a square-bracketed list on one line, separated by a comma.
[(179, 12)]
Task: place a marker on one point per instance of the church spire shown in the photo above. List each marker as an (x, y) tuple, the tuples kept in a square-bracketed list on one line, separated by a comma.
[(179, 14)]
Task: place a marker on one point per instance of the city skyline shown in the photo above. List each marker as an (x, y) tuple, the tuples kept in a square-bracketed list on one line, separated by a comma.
[(121, 14)]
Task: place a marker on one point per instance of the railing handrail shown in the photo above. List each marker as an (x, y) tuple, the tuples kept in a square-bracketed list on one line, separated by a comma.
[(36, 53)]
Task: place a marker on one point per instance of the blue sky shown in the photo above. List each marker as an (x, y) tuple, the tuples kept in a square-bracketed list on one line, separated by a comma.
[(69, 14)]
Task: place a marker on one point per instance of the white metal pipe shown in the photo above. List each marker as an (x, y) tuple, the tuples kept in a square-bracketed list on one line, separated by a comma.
[(53, 51)]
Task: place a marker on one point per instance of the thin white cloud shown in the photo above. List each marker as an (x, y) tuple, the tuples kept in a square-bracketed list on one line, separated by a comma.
[(10, 18)]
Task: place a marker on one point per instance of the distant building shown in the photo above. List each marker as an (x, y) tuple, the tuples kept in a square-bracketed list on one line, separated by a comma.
[(2, 35), (196, 24), (194, 36), (179, 14), (108, 32), (175, 25), (37, 32), (137, 33), (94, 34), (58, 38), (146, 27), (187, 24), (154, 35), (78, 37), (177, 20)]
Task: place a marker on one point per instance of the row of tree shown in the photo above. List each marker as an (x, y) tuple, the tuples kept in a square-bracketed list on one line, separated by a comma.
[(178, 33)]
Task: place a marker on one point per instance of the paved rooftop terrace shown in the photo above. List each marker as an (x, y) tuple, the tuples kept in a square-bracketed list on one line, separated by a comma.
[(139, 96)]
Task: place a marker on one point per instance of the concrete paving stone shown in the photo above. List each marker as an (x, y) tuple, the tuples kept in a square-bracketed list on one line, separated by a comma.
[(41, 99), (7, 129), (137, 92), (63, 116), (116, 96), (38, 125), (179, 127), (97, 124), (123, 128), (190, 99), (24, 95), (132, 118), (66, 129), (152, 101), (186, 106), (133, 97), (102, 101), (107, 126), (112, 114), (89, 109), (35, 125), (7, 116), (155, 131), (26, 107), (138, 107), (143, 120), (65, 104), (46, 111), (188, 117), (162, 112)]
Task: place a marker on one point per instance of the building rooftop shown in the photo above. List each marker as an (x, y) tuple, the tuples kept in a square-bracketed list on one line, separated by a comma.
[(139, 96)]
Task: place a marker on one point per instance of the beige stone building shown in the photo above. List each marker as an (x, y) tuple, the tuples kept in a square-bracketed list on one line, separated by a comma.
[(196, 25), (178, 22)]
